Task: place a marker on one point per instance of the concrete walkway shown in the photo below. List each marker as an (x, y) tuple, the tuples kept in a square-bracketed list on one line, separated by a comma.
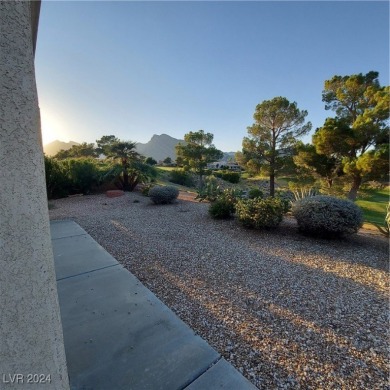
[(117, 334)]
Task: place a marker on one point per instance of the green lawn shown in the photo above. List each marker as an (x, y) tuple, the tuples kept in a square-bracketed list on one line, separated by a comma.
[(374, 204), (166, 168)]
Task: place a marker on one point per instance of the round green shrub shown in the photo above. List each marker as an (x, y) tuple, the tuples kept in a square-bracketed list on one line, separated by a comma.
[(221, 209), (163, 194), (327, 216), (260, 213), (255, 193), (224, 206)]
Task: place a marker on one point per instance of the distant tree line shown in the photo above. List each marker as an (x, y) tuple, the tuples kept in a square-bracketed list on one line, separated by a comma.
[(353, 146), (350, 148)]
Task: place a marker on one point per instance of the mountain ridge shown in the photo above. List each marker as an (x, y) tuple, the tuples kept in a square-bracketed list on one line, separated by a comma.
[(158, 147), (52, 148)]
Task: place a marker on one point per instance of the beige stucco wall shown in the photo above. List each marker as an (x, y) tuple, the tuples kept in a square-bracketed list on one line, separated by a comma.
[(31, 340)]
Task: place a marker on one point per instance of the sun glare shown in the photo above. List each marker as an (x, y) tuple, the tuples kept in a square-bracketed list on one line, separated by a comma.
[(52, 128)]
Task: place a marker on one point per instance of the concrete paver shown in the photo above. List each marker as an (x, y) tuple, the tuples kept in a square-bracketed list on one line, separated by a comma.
[(75, 255), (65, 228), (117, 334), (221, 375)]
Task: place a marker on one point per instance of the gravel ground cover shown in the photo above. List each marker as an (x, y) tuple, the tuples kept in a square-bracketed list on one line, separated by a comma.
[(288, 311)]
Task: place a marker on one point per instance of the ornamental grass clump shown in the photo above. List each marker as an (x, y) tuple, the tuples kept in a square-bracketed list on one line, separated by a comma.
[(163, 194), (327, 216), (260, 213)]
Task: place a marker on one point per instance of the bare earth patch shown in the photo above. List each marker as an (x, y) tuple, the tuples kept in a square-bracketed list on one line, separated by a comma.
[(288, 311)]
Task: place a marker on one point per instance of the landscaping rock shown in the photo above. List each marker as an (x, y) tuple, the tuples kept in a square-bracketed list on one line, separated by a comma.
[(114, 193), (288, 311)]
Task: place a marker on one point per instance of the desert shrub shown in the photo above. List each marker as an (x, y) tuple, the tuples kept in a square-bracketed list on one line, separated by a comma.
[(221, 208), (286, 204), (225, 204), (260, 213), (327, 216), (83, 174), (146, 189), (57, 181), (210, 190), (287, 198), (231, 177), (231, 194), (255, 193), (301, 191), (163, 194), (181, 177)]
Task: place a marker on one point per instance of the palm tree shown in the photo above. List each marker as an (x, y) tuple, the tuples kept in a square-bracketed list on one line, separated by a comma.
[(126, 154), (130, 171)]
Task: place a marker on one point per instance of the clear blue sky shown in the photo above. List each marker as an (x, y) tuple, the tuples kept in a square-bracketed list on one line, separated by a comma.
[(134, 69)]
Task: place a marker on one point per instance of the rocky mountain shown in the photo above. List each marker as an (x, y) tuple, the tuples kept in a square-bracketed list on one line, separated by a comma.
[(54, 147), (159, 147), (228, 156)]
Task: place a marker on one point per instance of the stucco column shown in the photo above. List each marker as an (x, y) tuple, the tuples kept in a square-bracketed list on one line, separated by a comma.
[(31, 340)]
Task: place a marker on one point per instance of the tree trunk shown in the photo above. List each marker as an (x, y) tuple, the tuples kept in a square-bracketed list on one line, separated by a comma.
[(200, 181), (272, 167), (126, 186), (272, 184), (352, 194)]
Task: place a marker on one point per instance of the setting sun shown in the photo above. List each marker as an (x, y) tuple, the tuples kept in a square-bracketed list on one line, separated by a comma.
[(52, 127)]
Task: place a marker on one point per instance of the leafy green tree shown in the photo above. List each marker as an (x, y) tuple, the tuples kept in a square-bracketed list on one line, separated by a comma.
[(132, 170), (278, 124), (76, 151), (179, 161), (320, 166), (241, 159), (150, 161), (361, 125), (105, 143), (198, 152), (167, 161)]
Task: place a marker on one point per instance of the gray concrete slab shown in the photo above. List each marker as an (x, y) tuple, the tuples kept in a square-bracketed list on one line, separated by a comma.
[(221, 375), (78, 254), (117, 334), (65, 228)]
